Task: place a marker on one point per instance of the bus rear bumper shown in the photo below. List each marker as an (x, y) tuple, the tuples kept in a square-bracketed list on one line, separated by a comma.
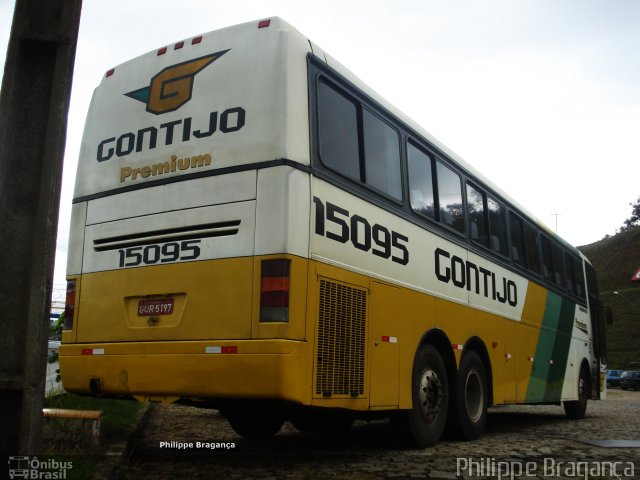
[(249, 369)]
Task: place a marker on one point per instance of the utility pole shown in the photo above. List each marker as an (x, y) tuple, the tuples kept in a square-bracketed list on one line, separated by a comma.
[(34, 102), (556, 215)]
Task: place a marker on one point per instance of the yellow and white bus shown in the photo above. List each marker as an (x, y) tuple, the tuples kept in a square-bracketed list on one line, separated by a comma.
[(255, 230)]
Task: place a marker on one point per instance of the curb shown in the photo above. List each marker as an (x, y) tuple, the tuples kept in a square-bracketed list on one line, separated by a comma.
[(118, 452)]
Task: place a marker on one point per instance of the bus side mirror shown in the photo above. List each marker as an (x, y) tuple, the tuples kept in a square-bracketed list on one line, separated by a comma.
[(608, 314)]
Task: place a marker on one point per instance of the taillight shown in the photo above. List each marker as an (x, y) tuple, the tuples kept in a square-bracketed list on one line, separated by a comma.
[(69, 305), (274, 291)]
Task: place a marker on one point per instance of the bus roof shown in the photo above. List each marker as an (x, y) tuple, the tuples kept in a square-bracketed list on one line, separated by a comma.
[(125, 126)]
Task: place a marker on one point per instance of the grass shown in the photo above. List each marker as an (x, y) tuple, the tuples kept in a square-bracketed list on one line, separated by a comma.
[(623, 337), (615, 260), (65, 438)]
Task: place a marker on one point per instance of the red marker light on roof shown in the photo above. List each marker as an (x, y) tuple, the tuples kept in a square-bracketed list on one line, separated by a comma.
[(264, 23), (178, 46), (196, 40), (162, 51), (110, 72)]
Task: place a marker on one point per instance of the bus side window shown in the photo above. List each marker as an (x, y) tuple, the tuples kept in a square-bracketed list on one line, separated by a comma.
[(579, 275), (570, 273), (533, 248), (476, 209), (420, 182), (338, 132), (450, 207), (547, 262), (558, 265), (497, 227), (517, 240), (381, 156)]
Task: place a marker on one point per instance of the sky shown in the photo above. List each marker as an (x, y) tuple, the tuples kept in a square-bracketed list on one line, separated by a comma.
[(541, 96)]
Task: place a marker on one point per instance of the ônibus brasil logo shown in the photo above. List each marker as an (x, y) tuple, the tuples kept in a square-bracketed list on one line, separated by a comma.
[(172, 87)]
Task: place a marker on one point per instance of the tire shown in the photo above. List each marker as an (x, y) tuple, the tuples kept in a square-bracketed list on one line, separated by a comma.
[(576, 409), (470, 399), (323, 423), (254, 422), (422, 426)]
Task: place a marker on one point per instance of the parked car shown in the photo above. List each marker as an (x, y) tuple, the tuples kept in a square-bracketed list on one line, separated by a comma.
[(630, 380), (613, 378)]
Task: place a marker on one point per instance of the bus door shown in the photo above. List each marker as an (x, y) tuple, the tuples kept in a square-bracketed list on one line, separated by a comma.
[(598, 331)]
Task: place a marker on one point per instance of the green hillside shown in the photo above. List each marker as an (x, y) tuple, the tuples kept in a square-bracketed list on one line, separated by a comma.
[(615, 260)]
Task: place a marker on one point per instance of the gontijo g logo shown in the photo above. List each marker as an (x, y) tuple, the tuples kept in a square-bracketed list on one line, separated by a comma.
[(173, 86), (169, 90)]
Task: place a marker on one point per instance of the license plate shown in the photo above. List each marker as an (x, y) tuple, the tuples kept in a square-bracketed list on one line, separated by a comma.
[(157, 306)]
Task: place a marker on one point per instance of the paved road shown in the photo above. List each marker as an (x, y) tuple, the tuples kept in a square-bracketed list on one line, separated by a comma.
[(537, 438)]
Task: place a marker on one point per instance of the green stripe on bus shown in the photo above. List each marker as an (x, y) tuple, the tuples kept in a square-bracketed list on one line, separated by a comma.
[(560, 353), (552, 352), (540, 368)]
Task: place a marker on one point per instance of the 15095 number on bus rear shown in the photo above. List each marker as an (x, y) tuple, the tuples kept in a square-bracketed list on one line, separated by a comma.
[(159, 253)]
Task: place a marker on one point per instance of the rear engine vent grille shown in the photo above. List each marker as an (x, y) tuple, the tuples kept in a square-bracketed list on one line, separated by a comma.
[(192, 232), (340, 354)]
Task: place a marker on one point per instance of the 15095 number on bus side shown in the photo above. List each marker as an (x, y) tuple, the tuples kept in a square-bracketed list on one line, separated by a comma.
[(376, 238)]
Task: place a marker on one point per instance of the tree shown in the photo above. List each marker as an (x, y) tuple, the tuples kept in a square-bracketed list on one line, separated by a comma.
[(634, 220)]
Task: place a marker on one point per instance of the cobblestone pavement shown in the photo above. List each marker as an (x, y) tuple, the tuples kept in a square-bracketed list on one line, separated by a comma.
[(537, 438)]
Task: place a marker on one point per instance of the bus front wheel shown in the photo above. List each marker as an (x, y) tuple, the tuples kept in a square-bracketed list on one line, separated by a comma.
[(422, 426), (576, 409)]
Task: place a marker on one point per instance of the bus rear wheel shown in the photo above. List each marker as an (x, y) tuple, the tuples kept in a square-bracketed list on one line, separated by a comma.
[(468, 413), (576, 409), (422, 426), (254, 422)]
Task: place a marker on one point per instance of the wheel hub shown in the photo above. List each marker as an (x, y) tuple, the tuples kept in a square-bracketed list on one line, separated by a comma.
[(431, 395), (474, 396)]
